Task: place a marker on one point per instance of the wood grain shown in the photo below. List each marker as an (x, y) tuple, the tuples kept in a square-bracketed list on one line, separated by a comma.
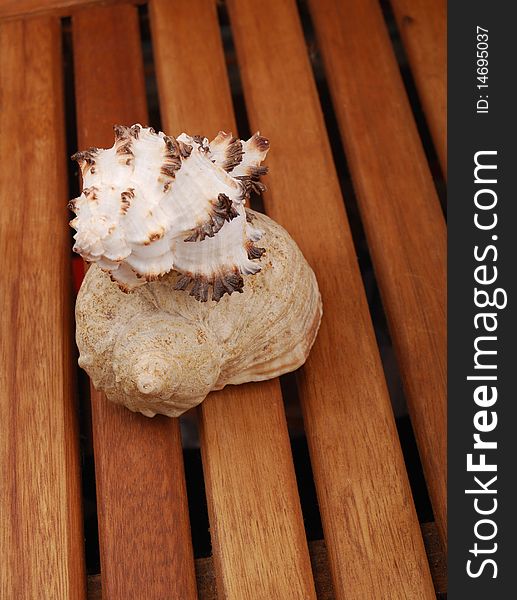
[(423, 29), (258, 539), (144, 529), (16, 9), (194, 94), (205, 574), (369, 521), (401, 214), (40, 501), (257, 531)]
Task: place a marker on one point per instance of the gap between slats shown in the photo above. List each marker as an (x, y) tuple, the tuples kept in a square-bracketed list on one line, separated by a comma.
[(429, 121), (91, 538), (423, 28)]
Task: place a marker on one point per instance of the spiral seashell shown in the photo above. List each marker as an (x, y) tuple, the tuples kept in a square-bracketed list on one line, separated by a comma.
[(153, 203), (160, 216)]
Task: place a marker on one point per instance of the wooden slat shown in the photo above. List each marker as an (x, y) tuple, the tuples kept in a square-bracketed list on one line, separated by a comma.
[(423, 28), (204, 105), (144, 531), (258, 538), (401, 213), (40, 503), (370, 526), (16, 9)]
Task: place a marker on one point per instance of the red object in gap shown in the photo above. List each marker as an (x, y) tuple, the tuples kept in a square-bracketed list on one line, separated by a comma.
[(77, 272)]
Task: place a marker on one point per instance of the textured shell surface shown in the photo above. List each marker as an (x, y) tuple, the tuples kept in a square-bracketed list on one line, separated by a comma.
[(158, 350), (153, 203)]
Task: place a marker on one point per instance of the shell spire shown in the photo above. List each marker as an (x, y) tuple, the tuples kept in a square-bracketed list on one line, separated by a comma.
[(153, 203)]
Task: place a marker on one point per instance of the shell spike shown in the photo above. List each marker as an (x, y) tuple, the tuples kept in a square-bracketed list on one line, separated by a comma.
[(258, 142)]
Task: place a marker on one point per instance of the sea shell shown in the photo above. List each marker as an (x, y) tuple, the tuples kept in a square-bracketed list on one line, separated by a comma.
[(157, 350), (153, 203), (159, 216)]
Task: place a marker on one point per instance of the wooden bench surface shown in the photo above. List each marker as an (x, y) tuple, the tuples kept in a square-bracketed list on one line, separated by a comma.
[(373, 542), (400, 210)]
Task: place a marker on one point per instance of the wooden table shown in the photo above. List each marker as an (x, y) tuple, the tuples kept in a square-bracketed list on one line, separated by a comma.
[(373, 544)]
